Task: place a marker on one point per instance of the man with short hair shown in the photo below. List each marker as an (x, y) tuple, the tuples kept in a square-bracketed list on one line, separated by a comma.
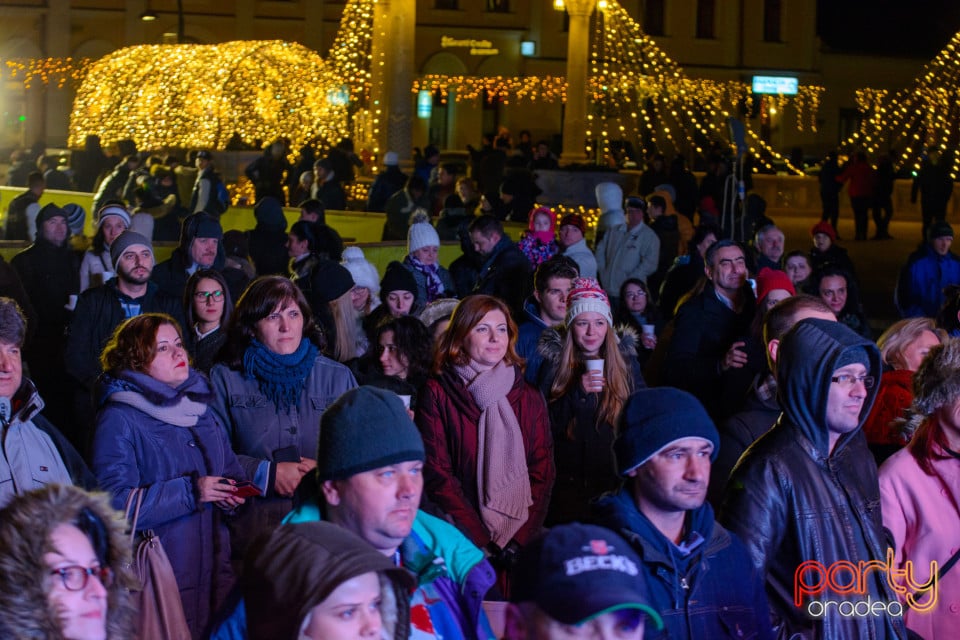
[(401, 205), (101, 309), (199, 248), (805, 496), (579, 582), (23, 210), (630, 250), (547, 307), (33, 453), (326, 188), (699, 575), (204, 197), (369, 481), (761, 408), (505, 272), (387, 182), (312, 210), (929, 270), (769, 243), (707, 354), (572, 231)]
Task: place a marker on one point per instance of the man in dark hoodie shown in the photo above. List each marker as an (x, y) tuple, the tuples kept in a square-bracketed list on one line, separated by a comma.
[(268, 239), (805, 496), (698, 573), (200, 248)]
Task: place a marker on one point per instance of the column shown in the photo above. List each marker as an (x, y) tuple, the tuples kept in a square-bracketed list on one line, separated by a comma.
[(392, 65), (578, 50)]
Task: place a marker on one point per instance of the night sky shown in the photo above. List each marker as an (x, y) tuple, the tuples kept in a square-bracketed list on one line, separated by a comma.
[(919, 28)]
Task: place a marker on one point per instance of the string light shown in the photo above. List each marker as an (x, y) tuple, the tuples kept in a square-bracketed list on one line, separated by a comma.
[(473, 88), (916, 120), (199, 96), (46, 71)]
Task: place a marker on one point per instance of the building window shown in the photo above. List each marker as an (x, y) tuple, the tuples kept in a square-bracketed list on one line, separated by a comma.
[(451, 5), (706, 19), (772, 13), (498, 6), (653, 17)]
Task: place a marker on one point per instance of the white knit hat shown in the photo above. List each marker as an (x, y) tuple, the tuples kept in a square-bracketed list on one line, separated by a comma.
[(586, 295), (364, 274), (420, 235), (609, 196)]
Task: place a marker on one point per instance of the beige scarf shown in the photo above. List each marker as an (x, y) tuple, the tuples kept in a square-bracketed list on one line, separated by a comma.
[(503, 482)]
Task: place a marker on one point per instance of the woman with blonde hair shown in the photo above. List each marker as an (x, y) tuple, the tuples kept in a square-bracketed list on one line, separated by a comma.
[(920, 492), (903, 347), (486, 432), (589, 370)]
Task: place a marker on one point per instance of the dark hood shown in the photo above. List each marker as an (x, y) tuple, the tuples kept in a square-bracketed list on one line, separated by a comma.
[(188, 232), (807, 358), (289, 571)]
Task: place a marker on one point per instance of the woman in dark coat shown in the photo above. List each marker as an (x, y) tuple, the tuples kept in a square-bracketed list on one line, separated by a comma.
[(155, 432), (207, 305), (486, 432)]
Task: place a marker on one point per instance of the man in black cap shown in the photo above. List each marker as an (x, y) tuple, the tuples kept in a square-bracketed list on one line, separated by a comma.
[(699, 575), (369, 481), (929, 270), (206, 190), (50, 273), (579, 581), (805, 496)]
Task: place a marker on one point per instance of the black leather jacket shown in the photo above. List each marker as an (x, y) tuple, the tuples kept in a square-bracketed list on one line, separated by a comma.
[(791, 499)]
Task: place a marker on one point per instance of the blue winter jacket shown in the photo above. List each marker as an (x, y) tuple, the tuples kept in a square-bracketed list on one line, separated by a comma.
[(144, 439), (715, 592), (528, 335), (922, 281)]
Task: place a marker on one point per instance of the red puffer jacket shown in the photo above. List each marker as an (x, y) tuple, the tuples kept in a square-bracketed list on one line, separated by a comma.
[(895, 395), (447, 417)]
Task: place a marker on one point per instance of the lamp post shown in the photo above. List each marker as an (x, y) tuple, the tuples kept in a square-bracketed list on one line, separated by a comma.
[(578, 48), (149, 16)]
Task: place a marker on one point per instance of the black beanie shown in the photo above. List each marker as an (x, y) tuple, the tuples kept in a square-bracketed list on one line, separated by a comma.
[(853, 355), (329, 280), (49, 211), (653, 418), (397, 278), (364, 429)]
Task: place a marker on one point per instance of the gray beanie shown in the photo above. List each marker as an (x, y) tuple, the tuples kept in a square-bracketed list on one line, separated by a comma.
[(123, 242), (364, 429), (853, 355), (654, 418)]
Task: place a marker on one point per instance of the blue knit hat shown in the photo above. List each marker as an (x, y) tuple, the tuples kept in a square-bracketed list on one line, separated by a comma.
[(655, 418), (365, 429)]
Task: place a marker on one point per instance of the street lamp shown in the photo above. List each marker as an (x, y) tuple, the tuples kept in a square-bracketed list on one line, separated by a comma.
[(149, 16)]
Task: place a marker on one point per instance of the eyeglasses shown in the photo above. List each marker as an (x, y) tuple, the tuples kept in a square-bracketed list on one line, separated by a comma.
[(75, 577), (846, 380), (633, 295), (204, 296)]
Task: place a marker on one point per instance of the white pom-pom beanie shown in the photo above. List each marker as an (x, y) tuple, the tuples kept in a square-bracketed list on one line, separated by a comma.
[(363, 272)]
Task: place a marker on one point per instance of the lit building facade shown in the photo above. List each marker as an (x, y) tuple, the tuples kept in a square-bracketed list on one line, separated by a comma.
[(459, 40)]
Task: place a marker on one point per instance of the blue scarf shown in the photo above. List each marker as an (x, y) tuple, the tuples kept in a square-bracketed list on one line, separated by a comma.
[(280, 377)]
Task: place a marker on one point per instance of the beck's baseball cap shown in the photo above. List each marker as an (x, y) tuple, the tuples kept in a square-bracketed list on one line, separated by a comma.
[(577, 572)]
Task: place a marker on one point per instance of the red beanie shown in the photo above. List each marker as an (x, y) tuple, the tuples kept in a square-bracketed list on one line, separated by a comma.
[(824, 227), (769, 279)]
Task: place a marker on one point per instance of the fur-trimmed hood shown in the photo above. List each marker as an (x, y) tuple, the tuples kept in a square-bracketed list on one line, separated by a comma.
[(551, 340), (25, 527)]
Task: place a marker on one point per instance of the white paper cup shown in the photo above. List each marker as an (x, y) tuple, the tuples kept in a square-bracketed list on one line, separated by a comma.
[(406, 401), (647, 329), (595, 365)]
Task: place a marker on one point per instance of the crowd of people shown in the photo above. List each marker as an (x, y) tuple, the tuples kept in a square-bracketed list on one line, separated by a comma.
[(664, 435)]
